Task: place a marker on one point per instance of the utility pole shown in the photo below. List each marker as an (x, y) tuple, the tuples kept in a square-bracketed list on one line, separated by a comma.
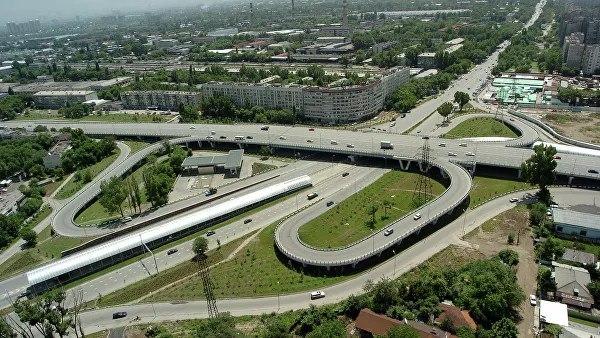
[(151, 253)]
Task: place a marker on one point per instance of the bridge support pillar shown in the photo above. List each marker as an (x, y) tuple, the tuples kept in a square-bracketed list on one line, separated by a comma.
[(424, 167), (353, 265), (443, 173), (212, 144), (571, 180), (328, 268), (240, 145), (199, 144), (404, 165), (352, 158), (520, 174)]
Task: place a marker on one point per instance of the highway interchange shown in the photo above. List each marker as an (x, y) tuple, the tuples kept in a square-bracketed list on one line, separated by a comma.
[(448, 156)]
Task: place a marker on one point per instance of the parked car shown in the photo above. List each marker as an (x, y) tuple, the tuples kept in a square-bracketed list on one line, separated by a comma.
[(514, 200), (388, 232), (121, 314), (532, 300), (417, 216), (317, 295), (126, 219), (172, 251)]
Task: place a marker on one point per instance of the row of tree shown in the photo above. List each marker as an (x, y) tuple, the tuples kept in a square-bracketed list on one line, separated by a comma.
[(11, 106), (85, 151)]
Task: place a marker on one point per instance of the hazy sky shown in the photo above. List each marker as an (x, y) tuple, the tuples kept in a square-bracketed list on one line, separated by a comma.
[(19, 10)]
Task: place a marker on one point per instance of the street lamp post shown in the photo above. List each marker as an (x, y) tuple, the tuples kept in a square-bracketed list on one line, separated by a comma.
[(395, 257), (278, 293)]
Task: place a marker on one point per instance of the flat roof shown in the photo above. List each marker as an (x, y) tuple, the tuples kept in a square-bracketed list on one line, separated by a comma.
[(554, 313), (63, 92), (576, 218), (135, 239), (232, 160)]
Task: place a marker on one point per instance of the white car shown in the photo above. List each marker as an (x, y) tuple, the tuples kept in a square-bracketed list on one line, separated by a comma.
[(282, 138), (334, 142), (452, 154), (442, 145), (350, 145), (192, 127), (463, 144), (317, 294), (470, 154), (210, 137), (532, 300), (417, 216), (310, 141), (514, 200), (388, 232)]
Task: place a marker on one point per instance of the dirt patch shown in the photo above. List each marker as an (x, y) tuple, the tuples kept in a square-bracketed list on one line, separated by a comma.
[(580, 126)]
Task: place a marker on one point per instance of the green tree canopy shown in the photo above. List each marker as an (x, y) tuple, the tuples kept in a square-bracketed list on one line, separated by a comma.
[(539, 169), (200, 246)]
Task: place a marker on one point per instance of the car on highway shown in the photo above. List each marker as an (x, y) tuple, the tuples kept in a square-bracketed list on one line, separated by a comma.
[(222, 137), (514, 200), (282, 138), (388, 232), (345, 174), (349, 145), (417, 217), (126, 219), (249, 137), (311, 129), (330, 203), (264, 128), (210, 233), (470, 154), (593, 171), (334, 142), (442, 145), (212, 132), (452, 154), (172, 251), (247, 220), (532, 300), (557, 157), (210, 137), (310, 141), (463, 144), (192, 127), (312, 195), (120, 314), (402, 116), (317, 294)]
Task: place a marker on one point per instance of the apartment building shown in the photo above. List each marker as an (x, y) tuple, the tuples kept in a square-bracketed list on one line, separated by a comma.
[(573, 48), (59, 99), (591, 59), (324, 104), (160, 99)]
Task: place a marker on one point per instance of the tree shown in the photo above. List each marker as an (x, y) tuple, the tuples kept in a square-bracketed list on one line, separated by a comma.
[(200, 246), (222, 326), (537, 214), (30, 238), (403, 331), (505, 328), (553, 329), (158, 181), (550, 249), (445, 110), (386, 205), (112, 195), (188, 114), (594, 288), (329, 329), (539, 170), (509, 257), (46, 313), (462, 99), (373, 211)]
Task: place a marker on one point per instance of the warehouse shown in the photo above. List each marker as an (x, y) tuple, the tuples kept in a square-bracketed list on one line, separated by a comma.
[(121, 248), (576, 224), (230, 164)]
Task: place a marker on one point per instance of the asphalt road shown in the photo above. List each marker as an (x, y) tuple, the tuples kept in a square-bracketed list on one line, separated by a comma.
[(401, 263)]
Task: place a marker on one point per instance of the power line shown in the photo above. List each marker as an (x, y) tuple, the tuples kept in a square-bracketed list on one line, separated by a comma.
[(208, 287), (423, 186)]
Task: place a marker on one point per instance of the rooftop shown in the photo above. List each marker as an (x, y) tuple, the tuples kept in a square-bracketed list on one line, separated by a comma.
[(579, 257), (576, 218), (232, 160), (64, 93), (554, 313)]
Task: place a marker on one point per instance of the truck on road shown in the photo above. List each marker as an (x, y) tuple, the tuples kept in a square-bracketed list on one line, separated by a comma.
[(387, 145)]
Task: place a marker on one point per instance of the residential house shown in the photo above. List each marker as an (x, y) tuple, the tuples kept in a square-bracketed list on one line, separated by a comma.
[(571, 286)]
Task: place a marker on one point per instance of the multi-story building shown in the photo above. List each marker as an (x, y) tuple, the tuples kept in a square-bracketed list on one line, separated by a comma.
[(160, 99), (573, 48), (59, 99), (30, 27), (324, 104), (591, 59), (592, 34)]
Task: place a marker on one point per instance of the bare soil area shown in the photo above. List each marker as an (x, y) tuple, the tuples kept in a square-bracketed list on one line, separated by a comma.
[(580, 126)]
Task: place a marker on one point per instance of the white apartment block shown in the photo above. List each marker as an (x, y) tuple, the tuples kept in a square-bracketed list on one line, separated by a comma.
[(161, 99), (591, 59), (573, 48), (59, 99), (323, 104)]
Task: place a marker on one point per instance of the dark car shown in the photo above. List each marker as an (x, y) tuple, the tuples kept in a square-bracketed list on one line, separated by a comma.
[(345, 174), (172, 251), (247, 220), (265, 128), (249, 137), (222, 137), (121, 314), (210, 233), (330, 203), (593, 171)]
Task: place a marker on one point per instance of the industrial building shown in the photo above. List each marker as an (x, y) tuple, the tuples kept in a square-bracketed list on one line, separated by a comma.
[(59, 99), (159, 99), (230, 164), (32, 88), (576, 224), (323, 104), (90, 260)]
